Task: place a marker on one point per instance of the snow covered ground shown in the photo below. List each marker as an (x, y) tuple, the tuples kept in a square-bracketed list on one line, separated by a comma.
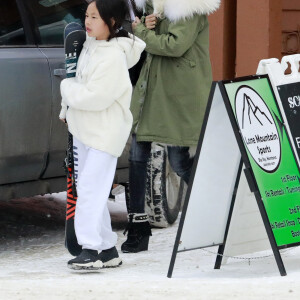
[(33, 263)]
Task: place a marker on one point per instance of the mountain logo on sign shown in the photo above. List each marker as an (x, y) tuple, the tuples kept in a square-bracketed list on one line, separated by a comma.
[(258, 128), (253, 114)]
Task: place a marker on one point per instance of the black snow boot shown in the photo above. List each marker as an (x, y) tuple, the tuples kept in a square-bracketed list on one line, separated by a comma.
[(86, 260), (139, 231), (110, 258)]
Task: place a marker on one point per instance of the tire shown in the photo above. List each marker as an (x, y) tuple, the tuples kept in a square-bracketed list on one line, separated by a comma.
[(164, 189)]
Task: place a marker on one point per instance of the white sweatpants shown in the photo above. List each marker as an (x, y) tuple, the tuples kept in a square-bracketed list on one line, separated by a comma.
[(94, 174)]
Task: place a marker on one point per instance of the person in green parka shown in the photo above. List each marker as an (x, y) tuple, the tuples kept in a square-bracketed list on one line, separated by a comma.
[(170, 96)]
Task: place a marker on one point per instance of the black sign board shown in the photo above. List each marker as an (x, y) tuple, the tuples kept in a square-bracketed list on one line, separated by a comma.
[(290, 99)]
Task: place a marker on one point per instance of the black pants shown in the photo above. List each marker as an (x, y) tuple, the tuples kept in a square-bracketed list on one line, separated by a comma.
[(179, 159)]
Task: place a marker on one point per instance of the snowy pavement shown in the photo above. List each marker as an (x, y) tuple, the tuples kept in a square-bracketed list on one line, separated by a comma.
[(33, 263)]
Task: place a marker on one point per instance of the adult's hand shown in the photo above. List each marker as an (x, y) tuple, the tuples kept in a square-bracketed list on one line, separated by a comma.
[(135, 23), (151, 21)]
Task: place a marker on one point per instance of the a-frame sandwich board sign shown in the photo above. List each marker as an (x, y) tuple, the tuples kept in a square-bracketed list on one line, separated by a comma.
[(209, 195), (247, 233), (267, 154), (271, 169)]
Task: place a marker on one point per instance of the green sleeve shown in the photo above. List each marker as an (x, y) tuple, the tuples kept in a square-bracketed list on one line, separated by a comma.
[(179, 38)]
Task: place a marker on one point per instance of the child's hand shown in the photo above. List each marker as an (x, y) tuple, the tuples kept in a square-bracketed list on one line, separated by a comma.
[(135, 23), (64, 121), (151, 21)]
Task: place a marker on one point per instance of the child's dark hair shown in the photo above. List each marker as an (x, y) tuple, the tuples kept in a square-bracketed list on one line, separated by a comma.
[(116, 10)]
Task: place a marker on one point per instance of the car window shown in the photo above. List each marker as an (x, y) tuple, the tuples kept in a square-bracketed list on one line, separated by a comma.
[(11, 28), (51, 17)]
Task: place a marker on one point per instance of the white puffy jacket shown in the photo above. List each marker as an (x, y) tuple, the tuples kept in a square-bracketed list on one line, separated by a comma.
[(99, 96)]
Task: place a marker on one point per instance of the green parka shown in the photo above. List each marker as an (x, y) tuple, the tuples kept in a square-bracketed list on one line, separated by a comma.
[(170, 97)]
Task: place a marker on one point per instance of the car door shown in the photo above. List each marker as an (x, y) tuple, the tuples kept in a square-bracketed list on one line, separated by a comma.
[(51, 17), (25, 89)]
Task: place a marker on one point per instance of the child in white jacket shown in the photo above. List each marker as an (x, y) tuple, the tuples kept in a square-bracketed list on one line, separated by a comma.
[(95, 105)]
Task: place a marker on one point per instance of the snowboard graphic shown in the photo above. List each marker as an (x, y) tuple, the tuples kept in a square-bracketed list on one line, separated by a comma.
[(74, 38)]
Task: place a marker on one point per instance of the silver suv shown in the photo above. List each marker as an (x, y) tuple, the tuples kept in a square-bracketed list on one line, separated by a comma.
[(32, 139)]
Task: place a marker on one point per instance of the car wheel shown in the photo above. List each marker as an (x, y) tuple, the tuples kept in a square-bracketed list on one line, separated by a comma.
[(164, 190)]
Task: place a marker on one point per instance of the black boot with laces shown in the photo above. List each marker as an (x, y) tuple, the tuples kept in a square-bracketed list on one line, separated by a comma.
[(139, 231)]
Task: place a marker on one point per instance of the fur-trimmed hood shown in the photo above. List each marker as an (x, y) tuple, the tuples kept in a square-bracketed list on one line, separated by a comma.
[(176, 10)]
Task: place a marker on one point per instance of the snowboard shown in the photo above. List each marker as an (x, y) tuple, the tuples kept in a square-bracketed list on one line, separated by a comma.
[(74, 38)]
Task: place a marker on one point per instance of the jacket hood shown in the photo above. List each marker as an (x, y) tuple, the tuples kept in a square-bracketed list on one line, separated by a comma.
[(132, 47), (176, 10)]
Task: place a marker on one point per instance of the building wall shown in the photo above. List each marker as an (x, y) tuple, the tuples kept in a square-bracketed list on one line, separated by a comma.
[(223, 40), (244, 32), (290, 27), (258, 33)]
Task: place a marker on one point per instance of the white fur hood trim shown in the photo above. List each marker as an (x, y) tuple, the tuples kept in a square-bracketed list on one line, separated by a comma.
[(176, 10)]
